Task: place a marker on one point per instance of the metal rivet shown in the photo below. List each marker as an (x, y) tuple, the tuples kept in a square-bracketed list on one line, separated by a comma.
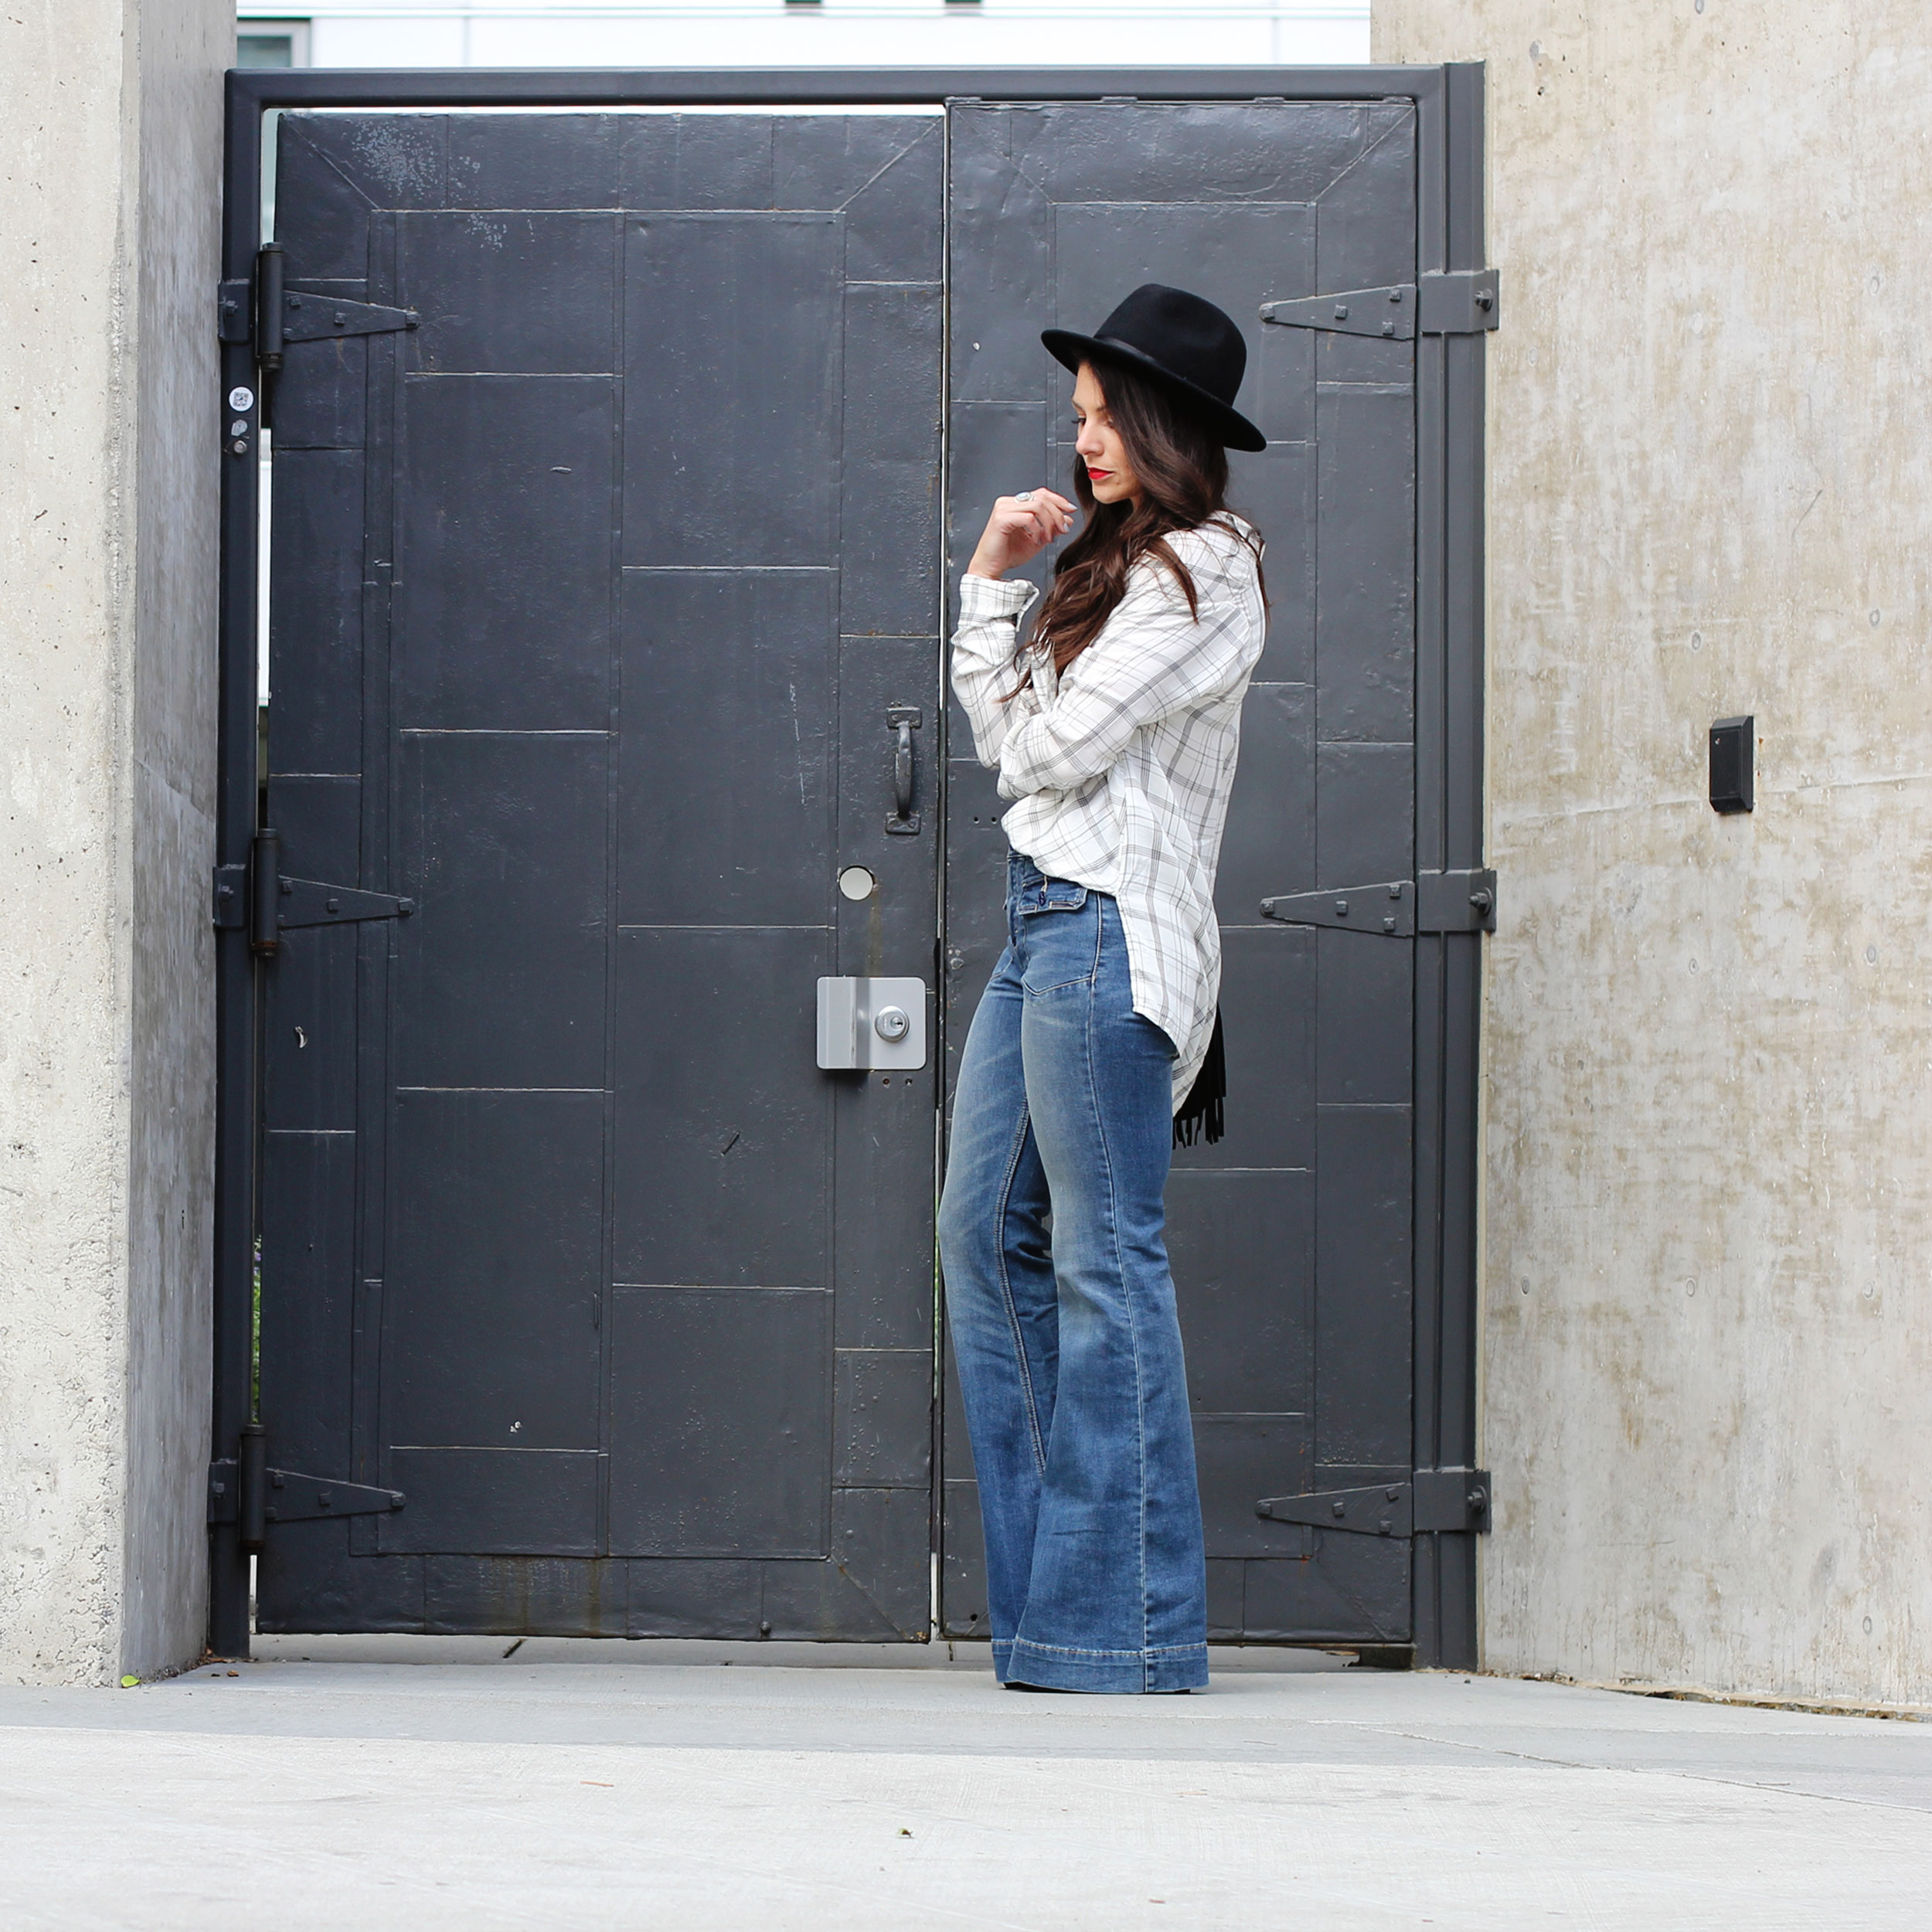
[(1341, 311), (1341, 909), (1341, 1509)]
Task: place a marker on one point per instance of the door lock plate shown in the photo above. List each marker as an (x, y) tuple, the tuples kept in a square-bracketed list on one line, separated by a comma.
[(871, 1023)]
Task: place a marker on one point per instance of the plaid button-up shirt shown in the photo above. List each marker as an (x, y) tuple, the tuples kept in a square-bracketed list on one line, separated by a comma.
[(1121, 768)]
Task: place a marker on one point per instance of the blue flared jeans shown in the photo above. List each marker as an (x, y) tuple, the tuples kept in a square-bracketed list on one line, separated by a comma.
[(1061, 1309)]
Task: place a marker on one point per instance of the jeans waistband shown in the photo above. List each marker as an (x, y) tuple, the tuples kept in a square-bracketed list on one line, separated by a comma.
[(1022, 875)]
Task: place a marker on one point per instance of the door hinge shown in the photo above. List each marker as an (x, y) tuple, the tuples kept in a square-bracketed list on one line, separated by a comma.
[(1390, 311), (1456, 902), (308, 902), (314, 318), (246, 1491), (1434, 1501), (261, 309), (1432, 901), (1459, 302), (231, 311), (259, 896), (1387, 909), (231, 896)]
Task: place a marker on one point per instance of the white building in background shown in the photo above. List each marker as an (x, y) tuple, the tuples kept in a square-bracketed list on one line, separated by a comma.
[(784, 33)]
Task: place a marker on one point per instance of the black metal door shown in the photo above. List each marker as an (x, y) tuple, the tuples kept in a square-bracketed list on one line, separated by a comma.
[(592, 589), (1292, 1239)]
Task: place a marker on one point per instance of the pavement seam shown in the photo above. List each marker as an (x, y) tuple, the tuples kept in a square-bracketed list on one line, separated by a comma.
[(1655, 1770)]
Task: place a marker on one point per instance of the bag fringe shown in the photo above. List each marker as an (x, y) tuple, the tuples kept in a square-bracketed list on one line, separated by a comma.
[(1202, 1115)]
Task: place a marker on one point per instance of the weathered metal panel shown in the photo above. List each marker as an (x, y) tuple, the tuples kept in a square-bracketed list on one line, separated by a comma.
[(1290, 1237), (501, 610), (720, 1421), (722, 1168), (490, 1305), (732, 449), (499, 973), (593, 591), (726, 783)]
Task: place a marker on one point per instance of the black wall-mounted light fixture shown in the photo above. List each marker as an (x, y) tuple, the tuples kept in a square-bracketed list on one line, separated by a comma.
[(1732, 781)]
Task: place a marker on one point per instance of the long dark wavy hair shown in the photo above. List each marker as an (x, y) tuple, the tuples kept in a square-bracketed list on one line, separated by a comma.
[(1183, 471)]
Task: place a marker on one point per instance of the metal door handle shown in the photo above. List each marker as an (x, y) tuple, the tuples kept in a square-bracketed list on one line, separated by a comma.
[(902, 773), (903, 720)]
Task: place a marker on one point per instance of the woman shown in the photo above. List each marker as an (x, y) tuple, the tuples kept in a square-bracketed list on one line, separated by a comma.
[(1114, 730)]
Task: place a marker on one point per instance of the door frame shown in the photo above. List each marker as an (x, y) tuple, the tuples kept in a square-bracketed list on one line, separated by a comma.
[(1450, 607)]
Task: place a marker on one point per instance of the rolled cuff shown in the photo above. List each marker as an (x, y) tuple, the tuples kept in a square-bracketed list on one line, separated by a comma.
[(982, 599)]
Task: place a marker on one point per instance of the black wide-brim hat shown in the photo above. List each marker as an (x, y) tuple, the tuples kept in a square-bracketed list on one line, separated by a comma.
[(1184, 342)]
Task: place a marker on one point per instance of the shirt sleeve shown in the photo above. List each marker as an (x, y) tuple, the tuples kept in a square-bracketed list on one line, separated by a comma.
[(1154, 658), (990, 612)]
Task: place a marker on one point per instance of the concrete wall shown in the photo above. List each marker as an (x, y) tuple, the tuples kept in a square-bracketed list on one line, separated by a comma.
[(1709, 1200), (110, 134)]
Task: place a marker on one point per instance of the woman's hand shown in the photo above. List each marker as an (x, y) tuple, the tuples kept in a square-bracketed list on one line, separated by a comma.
[(1019, 529)]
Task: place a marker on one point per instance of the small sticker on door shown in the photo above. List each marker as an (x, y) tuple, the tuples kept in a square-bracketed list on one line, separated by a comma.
[(241, 399)]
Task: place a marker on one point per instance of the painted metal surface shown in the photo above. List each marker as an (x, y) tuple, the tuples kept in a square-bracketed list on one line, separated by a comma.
[(1264, 1414), (591, 593), (1290, 1239)]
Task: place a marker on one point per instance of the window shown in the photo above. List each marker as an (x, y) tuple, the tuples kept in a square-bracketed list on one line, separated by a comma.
[(271, 43)]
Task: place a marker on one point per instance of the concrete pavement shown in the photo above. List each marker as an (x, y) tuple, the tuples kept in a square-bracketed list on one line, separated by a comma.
[(781, 1786)]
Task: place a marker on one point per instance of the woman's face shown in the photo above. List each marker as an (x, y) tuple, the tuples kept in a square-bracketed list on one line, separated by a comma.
[(1098, 443)]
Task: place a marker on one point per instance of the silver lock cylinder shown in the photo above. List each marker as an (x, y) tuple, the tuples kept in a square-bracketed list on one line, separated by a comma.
[(871, 1023)]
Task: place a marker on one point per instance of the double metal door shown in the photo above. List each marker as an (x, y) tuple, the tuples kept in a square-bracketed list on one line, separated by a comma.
[(609, 586)]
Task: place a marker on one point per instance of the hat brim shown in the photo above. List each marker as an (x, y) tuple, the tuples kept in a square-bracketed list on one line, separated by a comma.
[(1234, 429)]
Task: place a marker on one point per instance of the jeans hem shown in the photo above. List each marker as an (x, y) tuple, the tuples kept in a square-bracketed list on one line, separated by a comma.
[(1180, 1667)]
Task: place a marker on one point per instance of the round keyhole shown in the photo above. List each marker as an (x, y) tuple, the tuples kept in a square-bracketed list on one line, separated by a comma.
[(890, 1023)]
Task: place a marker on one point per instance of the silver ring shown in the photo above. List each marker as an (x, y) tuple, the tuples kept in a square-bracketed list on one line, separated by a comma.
[(1024, 496)]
